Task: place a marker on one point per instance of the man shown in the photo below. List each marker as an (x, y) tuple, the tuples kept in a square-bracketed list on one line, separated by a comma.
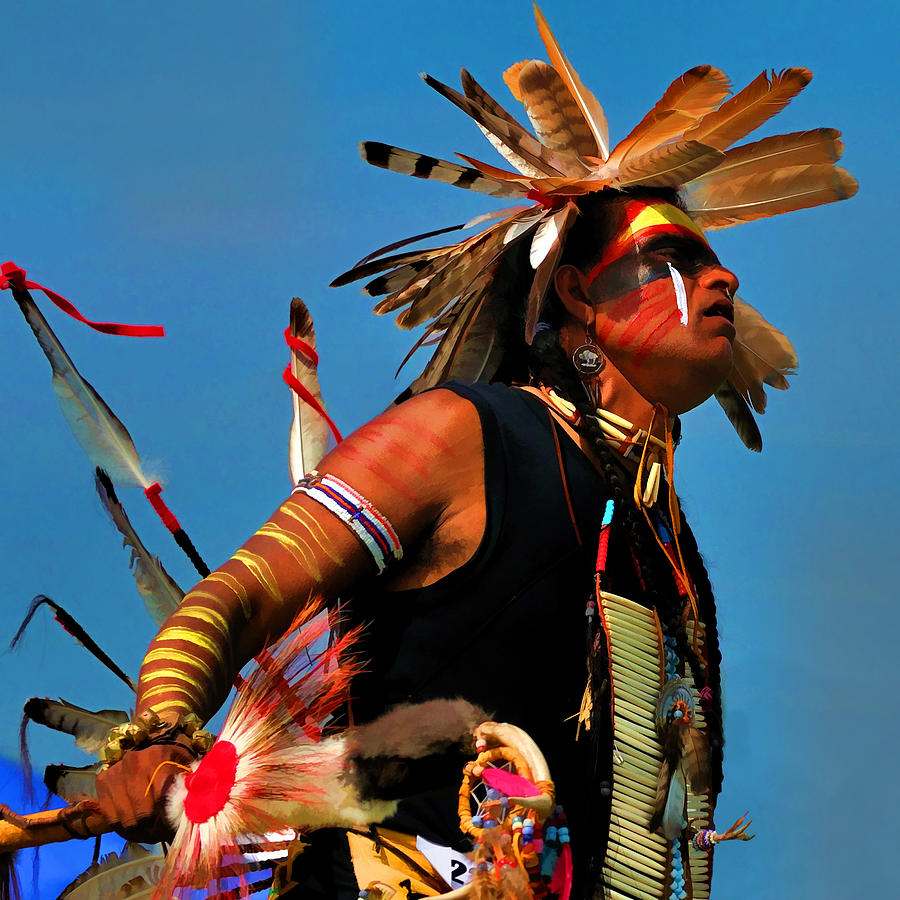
[(486, 510)]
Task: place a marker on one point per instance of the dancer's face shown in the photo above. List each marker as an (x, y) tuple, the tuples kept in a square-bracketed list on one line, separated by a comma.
[(662, 307)]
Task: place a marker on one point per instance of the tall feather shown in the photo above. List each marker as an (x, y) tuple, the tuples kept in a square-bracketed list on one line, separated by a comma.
[(740, 415), (72, 783), (689, 97), (161, 594), (591, 110), (133, 873), (746, 111), (408, 162), (102, 436), (90, 729), (309, 433), (554, 113), (75, 629), (715, 205)]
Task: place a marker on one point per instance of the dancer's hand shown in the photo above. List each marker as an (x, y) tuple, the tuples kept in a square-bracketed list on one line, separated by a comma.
[(131, 793)]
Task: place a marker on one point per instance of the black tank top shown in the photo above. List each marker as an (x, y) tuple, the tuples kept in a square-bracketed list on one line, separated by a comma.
[(507, 629)]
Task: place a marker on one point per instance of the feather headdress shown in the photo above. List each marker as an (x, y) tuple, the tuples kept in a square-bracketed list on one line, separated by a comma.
[(684, 142)]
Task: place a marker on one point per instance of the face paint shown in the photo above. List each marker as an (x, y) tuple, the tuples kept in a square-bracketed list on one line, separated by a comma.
[(639, 292), (680, 293)]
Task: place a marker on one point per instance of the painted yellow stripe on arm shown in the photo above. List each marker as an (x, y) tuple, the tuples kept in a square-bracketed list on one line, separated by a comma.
[(305, 518), (160, 708), (168, 689), (260, 570), (190, 636), (295, 545), (233, 585), (204, 614), (172, 654)]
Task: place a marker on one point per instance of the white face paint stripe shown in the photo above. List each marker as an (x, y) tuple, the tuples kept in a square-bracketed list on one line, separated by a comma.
[(680, 292)]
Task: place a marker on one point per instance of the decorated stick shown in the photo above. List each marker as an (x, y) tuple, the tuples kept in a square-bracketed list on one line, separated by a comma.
[(101, 434)]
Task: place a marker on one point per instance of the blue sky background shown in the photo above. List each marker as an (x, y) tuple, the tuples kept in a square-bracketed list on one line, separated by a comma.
[(195, 165)]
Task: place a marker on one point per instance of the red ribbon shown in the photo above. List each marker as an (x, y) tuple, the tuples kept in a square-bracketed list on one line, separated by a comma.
[(168, 517), (14, 277), (545, 201), (290, 379)]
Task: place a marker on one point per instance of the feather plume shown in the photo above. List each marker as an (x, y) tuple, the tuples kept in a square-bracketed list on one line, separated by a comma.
[(762, 356), (669, 166), (72, 783), (696, 93), (284, 772), (746, 111), (515, 138), (90, 729), (133, 873), (479, 96), (309, 433), (695, 758), (102, 436), (739, 414), (408, 162), (555, 115), (161, 594), (720, 205), (75, 629), (550, 239), (591, 110)]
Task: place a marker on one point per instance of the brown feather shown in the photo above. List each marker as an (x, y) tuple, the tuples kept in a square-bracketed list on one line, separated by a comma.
[(694, 757), (735, 200), (696, 93), (511, 77), (554, 114), (591, 110), (72, 783), (746, 111), (669, 166), (762, 356), (739, 414)]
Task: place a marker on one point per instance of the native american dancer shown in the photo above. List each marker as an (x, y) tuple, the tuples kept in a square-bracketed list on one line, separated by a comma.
[(505, 541)]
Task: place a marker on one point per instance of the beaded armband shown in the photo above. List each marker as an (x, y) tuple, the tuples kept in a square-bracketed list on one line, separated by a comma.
[(148, 728), (360, 516)]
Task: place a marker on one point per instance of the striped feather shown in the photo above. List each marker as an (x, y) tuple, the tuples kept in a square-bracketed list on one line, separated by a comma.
[(407, 162), (555, 115), (72, 783), (478, 95), (591, 110), (515, 138)]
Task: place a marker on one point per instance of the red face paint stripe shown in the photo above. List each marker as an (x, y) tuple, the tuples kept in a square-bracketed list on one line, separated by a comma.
[(655, 336), (629, 305), (644, 319)]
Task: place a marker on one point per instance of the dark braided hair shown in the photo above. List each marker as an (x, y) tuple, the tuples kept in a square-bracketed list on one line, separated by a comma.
[(548, 363)]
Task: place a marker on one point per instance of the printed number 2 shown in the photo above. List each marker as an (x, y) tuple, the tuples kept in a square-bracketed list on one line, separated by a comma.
[(457, 872)]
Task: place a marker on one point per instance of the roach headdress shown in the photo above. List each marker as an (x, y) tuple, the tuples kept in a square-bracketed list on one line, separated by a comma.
[(682, 143)]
